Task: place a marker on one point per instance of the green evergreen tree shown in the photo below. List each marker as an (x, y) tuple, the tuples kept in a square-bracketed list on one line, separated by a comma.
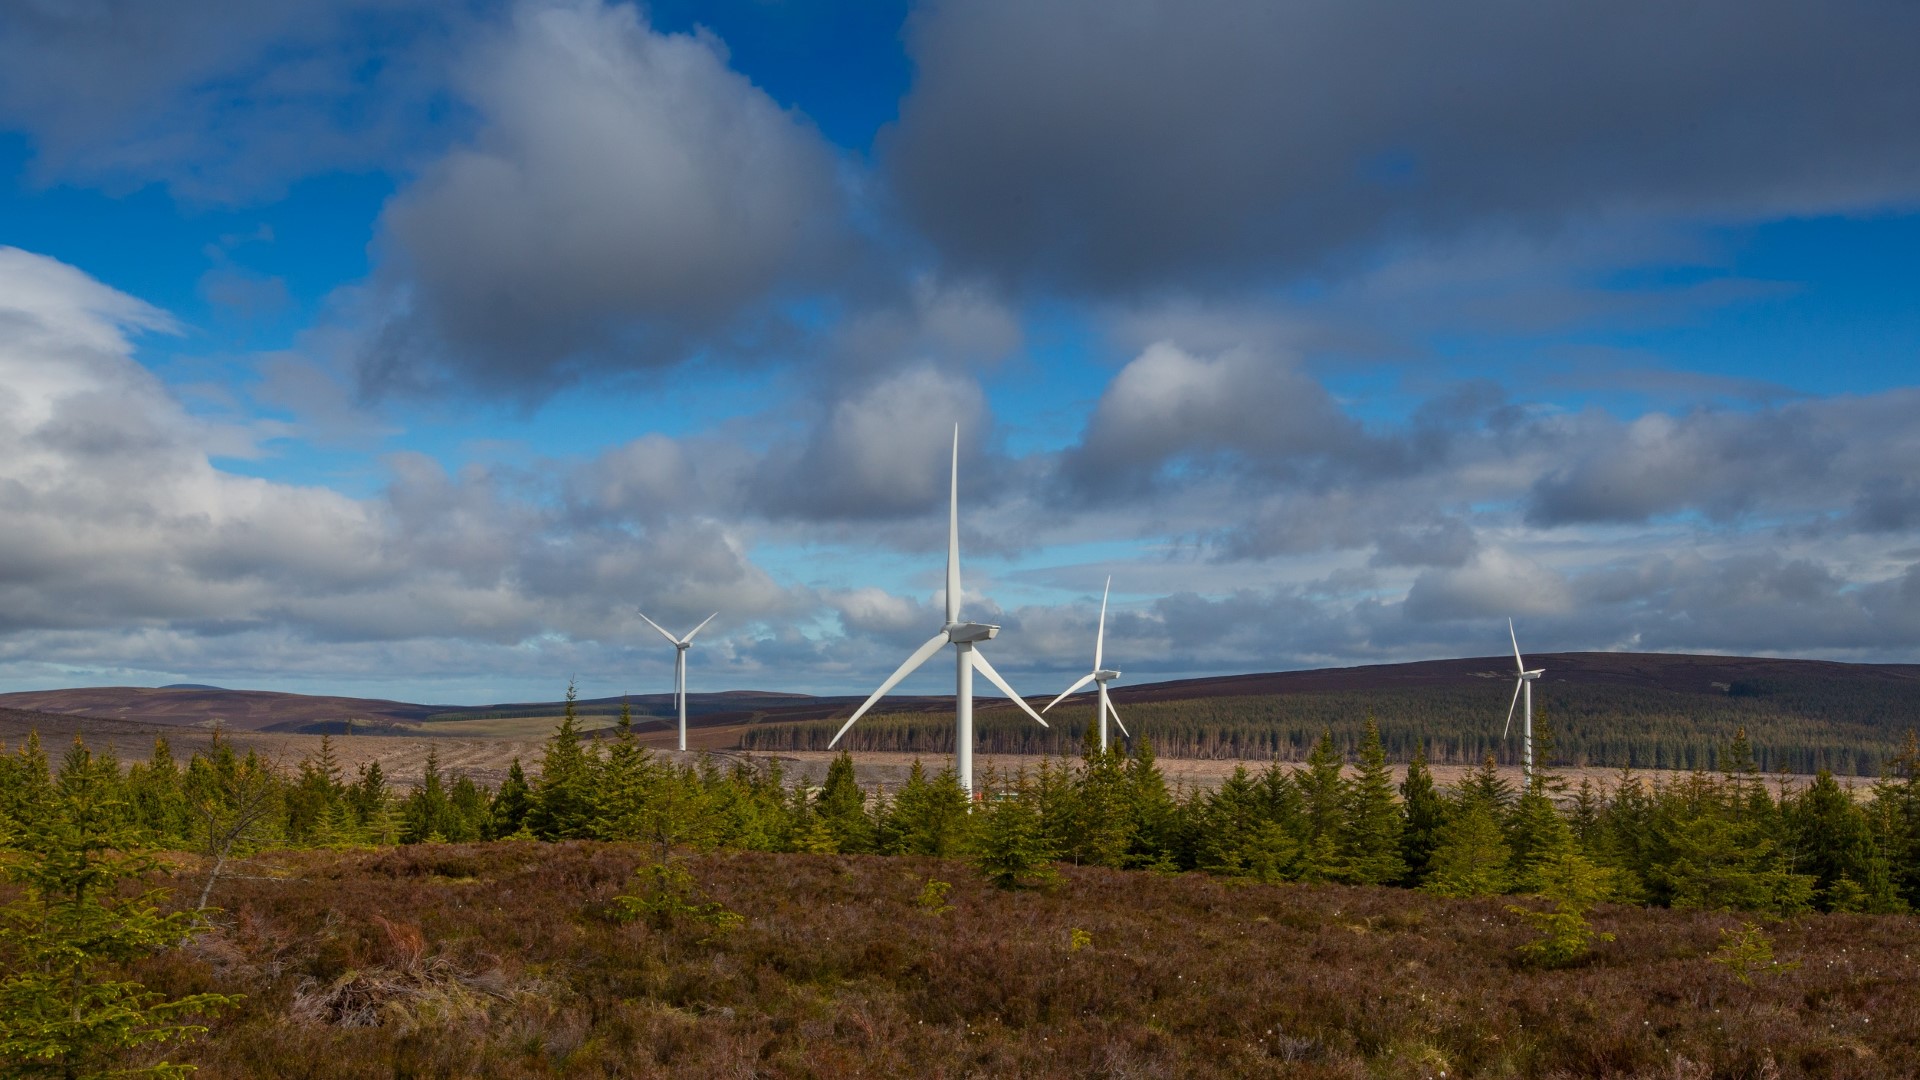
[(507, 816), (1834, 844), (1102, 826), (427, 814), (1538, 837), (928, 817), (842, 808), (1896, 803), (1424, 812), (1156, 818), (563, 801), (1471, 858), (1323, 808), (64, 1008), (1371, 824), (1009, 846), (1712, 851), (467, 806), (1573, 884)]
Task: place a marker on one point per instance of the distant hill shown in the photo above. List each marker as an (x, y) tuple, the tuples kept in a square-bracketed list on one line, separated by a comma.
[(1646, 710), (1649, 710)]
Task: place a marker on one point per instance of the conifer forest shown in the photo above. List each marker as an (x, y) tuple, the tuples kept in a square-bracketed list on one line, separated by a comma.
[(226, 913)]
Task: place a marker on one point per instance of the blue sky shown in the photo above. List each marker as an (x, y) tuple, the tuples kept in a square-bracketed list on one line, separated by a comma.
[(405, 349)]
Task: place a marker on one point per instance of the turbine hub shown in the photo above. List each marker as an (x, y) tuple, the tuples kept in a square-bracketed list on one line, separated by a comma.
[(968, 632)]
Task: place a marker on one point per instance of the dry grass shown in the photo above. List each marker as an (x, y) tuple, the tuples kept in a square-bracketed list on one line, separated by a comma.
[(498, 961)]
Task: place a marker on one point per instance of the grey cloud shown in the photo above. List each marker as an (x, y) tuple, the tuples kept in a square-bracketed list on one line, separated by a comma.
[(221, 99), (1448, 543), (1153, 144), (1171, 410), (628, 199), (1889, 504), (1803, 457), (884, 450)]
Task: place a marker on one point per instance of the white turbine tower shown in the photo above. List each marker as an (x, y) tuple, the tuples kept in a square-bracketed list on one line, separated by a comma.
[(1099, 675), (1522, 684), (963, 636), (680, 647)]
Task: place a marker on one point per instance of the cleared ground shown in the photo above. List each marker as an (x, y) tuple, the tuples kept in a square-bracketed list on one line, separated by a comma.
[(486, 757)]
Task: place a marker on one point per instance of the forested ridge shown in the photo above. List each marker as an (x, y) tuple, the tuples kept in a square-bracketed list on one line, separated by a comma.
[(1797, 723)]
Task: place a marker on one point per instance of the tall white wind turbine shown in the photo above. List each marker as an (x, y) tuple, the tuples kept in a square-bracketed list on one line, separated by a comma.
[(680, 647), (1522, 685), (1099, 675), (963, 636)]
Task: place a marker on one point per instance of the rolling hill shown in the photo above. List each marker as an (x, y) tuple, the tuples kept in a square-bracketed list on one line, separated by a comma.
[(1648, 710)]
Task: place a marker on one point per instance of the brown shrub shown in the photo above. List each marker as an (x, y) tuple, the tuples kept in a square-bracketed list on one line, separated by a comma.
[(469, 961)]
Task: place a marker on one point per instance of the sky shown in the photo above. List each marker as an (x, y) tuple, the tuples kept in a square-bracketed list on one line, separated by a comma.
[(408, 350)]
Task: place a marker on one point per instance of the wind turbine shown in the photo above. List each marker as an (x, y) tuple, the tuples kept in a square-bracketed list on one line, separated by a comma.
[(1099, 675), (963, 636), (680, 647), (1522, 684)]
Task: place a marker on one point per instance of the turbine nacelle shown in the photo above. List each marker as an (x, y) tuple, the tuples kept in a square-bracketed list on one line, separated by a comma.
[(967, 633), (1105, 675)]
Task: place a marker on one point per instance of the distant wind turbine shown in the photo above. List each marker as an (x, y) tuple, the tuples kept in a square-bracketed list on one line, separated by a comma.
[(680, 647), (963, 636), (1099, 675), (1523, 684)]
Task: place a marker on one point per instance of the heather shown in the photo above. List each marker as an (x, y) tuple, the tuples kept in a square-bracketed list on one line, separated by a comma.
[(607, 911), (509, 960)]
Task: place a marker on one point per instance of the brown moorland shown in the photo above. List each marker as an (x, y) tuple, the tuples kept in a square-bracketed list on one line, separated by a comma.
[(501, 961)]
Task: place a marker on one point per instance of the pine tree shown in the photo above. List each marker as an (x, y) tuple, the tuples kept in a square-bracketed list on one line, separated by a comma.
[(1102, 827), (62, 1010), (1834, 844), (28, 791), (1233, 816), (511, 804), (928, 817), (1537, 838), (563, 801), (1323, 812), (1009, 846), (842, 808), (426, 814), (1155, 816), (1424, 812), (1896, 801), (1709, 850), (1371, 826), (1471, 858)]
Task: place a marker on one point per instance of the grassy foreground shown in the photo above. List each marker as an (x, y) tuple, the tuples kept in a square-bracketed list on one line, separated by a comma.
[(501, 960)]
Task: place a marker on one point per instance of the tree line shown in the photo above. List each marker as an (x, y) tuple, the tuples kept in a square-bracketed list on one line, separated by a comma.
[(1849, 727), (1729, 838)]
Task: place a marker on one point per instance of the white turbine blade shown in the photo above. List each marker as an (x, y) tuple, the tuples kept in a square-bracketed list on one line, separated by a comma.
[(919, 657), (670, 638), (1084, 680), (980, 664), (1115, 713), (953, 535), (1100, 638), (697, 629), (1517, 684), (1517, 662)]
